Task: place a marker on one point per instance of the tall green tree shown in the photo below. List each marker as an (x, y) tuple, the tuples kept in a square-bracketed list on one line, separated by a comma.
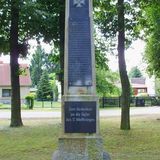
[(116, 17), (42, 61), (36, 65), (26, 20), (150, 22), (135, 72), (125, 98), (44, 89)]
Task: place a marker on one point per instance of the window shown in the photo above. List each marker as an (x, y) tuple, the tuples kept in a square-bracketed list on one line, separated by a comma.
[(6, 92)]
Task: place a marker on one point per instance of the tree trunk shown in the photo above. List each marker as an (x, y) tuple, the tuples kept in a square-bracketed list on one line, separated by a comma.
[(61, 45), (16, 120), (125, 98)]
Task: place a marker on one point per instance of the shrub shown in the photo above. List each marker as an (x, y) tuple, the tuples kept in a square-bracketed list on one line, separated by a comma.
[(30, 100)]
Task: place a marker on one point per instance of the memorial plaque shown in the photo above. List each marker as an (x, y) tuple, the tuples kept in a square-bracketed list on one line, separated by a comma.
[(80, 117), (79, 45)]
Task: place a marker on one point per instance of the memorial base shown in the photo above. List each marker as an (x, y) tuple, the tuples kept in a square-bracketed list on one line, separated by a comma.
[(88, 148)]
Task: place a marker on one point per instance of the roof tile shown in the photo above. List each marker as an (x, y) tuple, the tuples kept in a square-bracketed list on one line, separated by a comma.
[(5, 79)]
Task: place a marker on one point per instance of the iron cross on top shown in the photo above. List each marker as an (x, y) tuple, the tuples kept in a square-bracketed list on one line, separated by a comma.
[(79, 3)]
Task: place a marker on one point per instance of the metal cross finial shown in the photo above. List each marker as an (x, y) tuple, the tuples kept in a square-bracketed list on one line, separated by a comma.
[(79, 3)]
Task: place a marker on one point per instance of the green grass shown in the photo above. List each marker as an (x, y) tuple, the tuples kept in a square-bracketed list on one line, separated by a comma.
[(38, 139), (140, 143)]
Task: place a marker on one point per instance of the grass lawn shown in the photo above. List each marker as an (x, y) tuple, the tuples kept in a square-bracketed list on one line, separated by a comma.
[(38, 139)]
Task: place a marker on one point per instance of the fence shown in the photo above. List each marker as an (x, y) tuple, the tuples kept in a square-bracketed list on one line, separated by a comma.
[(134, 101), (8, 101)]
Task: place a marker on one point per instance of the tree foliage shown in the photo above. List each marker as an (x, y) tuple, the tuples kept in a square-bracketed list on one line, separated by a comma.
[(25, 20), (36, 65), (150, 24), (106, 19), (106, 83), (42, 61), (44, 89), (118, 17), (135, 72)]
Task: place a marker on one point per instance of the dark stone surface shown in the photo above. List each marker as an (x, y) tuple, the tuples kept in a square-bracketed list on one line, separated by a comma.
[(79, 46), (79, 13), (80, 117)]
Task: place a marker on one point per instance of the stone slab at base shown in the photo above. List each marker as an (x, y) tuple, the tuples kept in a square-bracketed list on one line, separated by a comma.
[(80, 149)]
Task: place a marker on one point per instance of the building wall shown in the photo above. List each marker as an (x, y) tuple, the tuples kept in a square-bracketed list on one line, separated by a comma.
[(24, 91), (6, 100), (139, 90), (150, 82)]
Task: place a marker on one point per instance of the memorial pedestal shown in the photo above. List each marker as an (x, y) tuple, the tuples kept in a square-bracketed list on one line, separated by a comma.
[(80, 112), (80, 148)]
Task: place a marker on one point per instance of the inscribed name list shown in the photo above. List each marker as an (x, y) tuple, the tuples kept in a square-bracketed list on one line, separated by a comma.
[(79, 44)]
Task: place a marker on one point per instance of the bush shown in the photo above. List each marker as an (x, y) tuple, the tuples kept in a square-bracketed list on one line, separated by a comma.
[(30, 100)]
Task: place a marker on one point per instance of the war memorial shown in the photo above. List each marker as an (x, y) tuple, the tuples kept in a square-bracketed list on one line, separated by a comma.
[(80, 138)]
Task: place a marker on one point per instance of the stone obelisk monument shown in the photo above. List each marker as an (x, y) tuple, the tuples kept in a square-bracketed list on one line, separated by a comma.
[(80, 138)]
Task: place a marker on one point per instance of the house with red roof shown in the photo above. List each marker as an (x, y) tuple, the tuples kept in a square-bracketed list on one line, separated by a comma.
[(5, 82), (139, 85)]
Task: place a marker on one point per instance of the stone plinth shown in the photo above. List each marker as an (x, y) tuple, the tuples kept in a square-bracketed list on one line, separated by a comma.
[(80, 148)]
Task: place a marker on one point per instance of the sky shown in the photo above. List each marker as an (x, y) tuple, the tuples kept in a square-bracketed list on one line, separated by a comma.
[(133, 56), (33, 45)]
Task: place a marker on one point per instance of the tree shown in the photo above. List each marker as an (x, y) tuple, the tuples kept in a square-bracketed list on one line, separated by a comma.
[(28, 19), (14, 54), (120, 18), (36, 65), (125, 98), (42, 61), (44, 90), (106, 83), (106, 19), (61, 42), (150, 24), (135, 72)]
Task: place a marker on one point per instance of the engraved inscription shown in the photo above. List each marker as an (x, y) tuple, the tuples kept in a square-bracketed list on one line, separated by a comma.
[(80, 117), (79, 45), (79, 3), (79, 58)]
